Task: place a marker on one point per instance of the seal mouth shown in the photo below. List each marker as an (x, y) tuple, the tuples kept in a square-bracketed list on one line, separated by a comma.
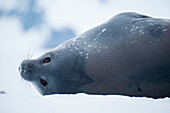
[(25, 70), (25, 74)]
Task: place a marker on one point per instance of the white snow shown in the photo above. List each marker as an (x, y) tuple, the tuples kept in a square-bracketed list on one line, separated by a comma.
[(125, 28), (99, 34), (104, 30), (89, 46), (81, 103), (164, 30)]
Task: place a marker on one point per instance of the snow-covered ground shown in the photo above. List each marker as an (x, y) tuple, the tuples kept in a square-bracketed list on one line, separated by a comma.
[(81, 104), (18, 40)]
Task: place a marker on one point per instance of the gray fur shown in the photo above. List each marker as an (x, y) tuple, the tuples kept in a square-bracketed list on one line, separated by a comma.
[(127, 55)]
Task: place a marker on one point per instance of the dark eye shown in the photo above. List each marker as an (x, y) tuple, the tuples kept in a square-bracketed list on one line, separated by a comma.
[(46, 60), (43, 82)]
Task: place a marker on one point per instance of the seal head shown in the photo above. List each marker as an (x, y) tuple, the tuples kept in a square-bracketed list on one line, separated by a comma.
[(60, 72)]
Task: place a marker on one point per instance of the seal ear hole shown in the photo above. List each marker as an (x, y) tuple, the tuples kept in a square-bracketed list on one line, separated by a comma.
[(46, 60), (43, 82)]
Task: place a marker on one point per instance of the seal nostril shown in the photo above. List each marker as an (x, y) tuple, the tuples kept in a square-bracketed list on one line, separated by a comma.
[(26, 64)]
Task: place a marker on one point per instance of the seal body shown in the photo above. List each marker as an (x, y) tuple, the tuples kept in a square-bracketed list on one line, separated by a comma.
[(127, 55)]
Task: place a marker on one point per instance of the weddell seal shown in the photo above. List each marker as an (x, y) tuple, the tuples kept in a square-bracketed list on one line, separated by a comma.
[(127, 55)]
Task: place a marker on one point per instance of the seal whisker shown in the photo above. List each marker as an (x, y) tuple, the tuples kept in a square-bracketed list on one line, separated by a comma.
[(25, 83), (29, 86), (26, 86), (31, 55), (28, 55), (24, 58), (21, 81)]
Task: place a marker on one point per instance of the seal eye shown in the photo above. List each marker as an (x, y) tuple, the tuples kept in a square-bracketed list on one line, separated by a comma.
[(46, 60), (43, 82)]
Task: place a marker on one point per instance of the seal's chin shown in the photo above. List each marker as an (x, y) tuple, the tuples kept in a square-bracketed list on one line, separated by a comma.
[(25, 70), (26, 74)]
